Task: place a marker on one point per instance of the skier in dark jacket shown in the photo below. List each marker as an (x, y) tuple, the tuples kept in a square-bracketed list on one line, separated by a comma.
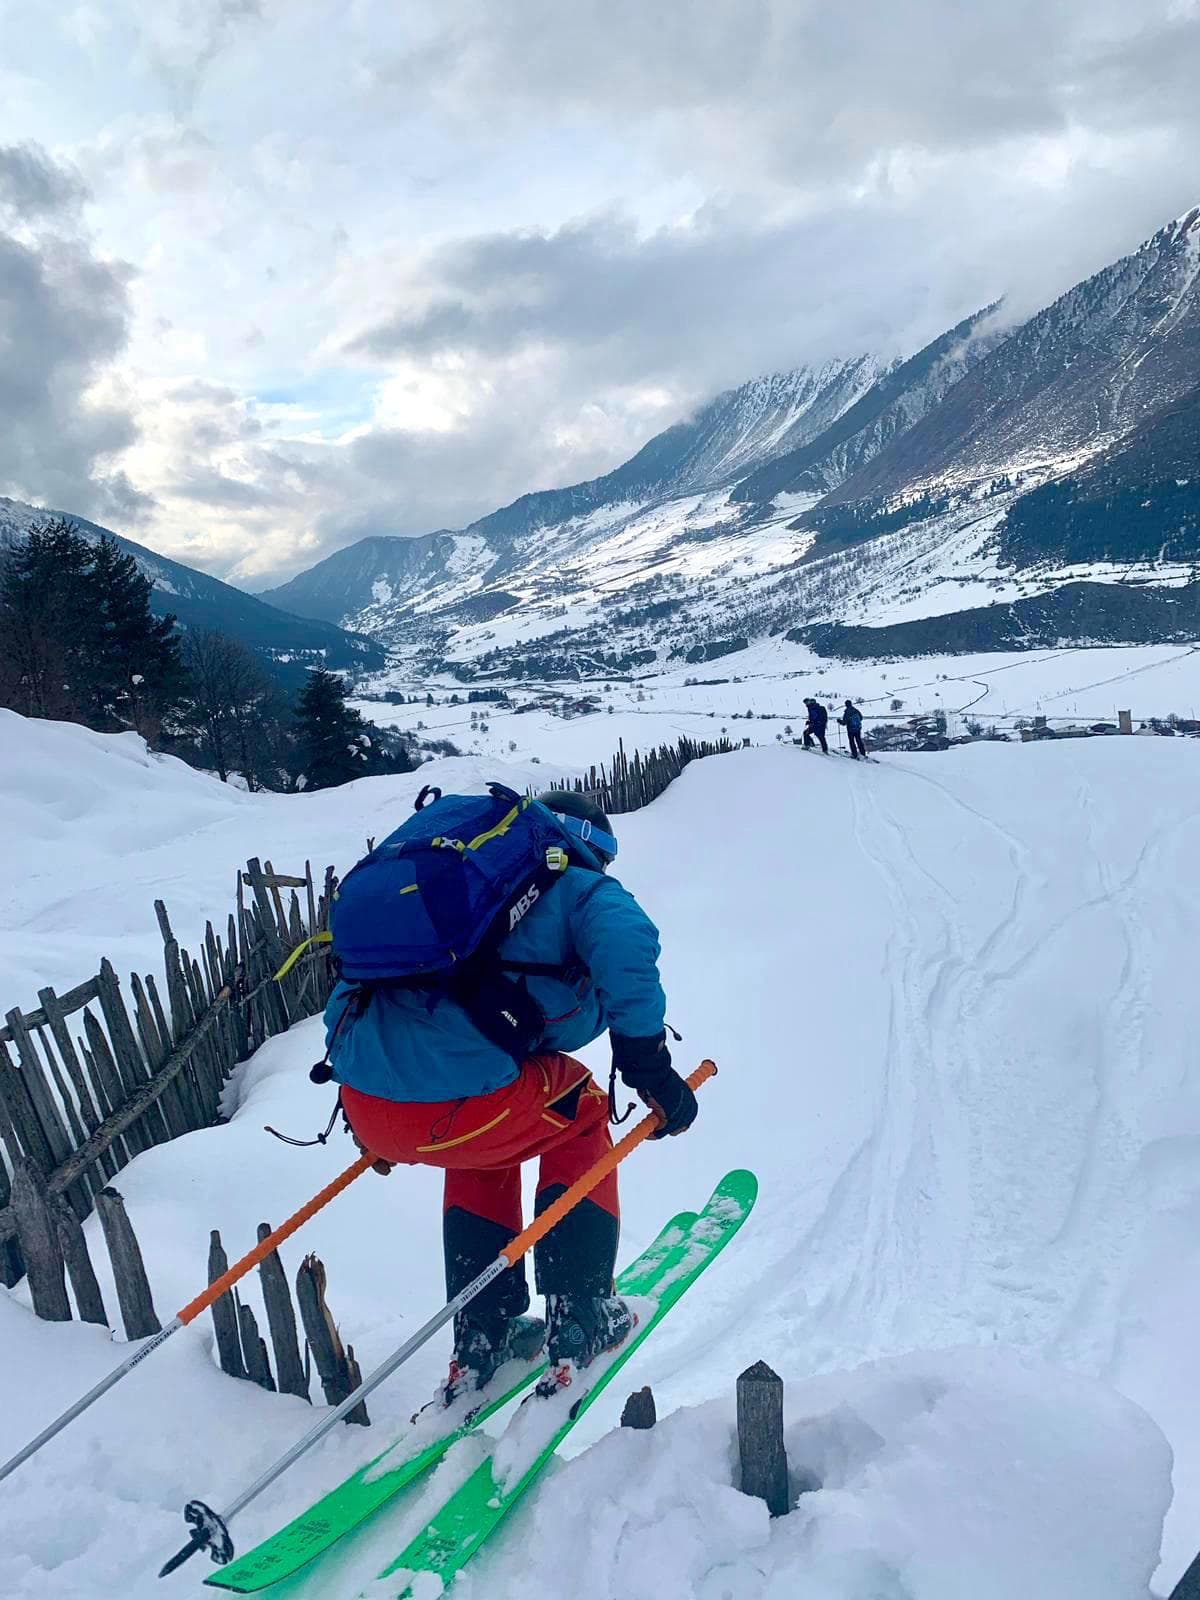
[(422, 1085), (814, 728), (851, 720)]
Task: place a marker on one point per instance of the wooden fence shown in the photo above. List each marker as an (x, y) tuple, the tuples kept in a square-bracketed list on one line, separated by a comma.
[(630, 783), (88, 1081), (242, 1350)]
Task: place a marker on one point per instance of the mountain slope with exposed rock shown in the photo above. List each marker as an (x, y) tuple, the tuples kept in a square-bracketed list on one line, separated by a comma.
[(1000, 463)]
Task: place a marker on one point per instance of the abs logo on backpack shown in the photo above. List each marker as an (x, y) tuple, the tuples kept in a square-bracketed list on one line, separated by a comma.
[(524, 905)]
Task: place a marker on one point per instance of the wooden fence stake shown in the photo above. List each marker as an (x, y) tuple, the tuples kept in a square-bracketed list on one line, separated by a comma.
[(12, 1265), (254, 1350), (640, 1410), (354, 1379), (39, 1244), (336, 1367), (48, 1143), (760, 1437), (108, 1083), (224, 1313), (130, 1062), (56, 1018), (129, 1270), (71, 1242), (281, 1319)]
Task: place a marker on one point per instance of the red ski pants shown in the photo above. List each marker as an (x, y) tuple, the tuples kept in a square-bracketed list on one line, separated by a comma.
[(553, 1109)]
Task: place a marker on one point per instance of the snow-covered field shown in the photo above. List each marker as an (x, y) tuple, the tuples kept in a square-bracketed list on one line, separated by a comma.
[(953, 1004), (770, 681)]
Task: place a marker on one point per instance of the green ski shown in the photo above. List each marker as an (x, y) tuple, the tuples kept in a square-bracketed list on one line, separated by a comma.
[(362, 1494), (471, 1514)]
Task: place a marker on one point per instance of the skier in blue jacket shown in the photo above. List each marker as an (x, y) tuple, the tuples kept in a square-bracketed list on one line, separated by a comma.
[(852, 719), (421, 1084), (814, 728)]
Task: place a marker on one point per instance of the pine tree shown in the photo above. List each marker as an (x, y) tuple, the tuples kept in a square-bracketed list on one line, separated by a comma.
[(77, 637), (333, 745), (138, 675), (48, 633)]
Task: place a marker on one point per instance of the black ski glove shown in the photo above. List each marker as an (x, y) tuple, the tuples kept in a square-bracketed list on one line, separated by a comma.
[(645, 1065)]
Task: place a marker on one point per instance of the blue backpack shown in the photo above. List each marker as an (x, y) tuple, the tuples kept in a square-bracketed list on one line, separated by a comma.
[(429, 907)]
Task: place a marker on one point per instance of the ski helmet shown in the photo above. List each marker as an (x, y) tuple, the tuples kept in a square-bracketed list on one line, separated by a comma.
[(585, 821)]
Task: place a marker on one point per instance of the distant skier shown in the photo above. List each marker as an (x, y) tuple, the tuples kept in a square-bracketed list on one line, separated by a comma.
[(851, 720), (814, 728), (422, 1085)]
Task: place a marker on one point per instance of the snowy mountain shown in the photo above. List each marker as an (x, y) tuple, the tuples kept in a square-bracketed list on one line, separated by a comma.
[(289, 644), (1139, 501), (893, 404), (379, 579), (1103, 359), (995, 465)]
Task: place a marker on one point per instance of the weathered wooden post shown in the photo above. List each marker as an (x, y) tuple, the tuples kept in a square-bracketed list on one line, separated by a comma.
[(129, 1270), (224, 1312), (254, 1349), (640, 1411), (281, 1319), (760, 1437), (336, 1367), (1125, 721), (39, 1244), (79, 1263)]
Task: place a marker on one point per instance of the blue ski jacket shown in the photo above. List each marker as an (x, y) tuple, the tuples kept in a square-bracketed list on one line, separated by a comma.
[(409, 1047)]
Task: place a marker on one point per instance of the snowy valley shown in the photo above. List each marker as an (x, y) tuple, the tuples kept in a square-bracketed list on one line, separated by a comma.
[(1015, 487), (950, 1001)]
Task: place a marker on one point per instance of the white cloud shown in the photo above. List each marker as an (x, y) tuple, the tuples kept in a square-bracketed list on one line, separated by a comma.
[(397, 265)]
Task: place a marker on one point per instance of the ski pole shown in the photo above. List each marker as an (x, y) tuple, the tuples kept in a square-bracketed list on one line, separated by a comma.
[(192, 1310), (210, 1529)]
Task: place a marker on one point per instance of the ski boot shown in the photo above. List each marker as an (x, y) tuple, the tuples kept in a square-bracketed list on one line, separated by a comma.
[(581, 1327), (480, 1350)]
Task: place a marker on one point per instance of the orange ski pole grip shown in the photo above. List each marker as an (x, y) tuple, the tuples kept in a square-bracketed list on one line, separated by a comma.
[(583, 1186), (261, 1251)]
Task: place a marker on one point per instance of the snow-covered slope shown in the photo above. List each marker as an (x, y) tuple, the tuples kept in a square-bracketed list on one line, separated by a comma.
[(955, 1029), (1107, 355), (378, 581), (894, 403)]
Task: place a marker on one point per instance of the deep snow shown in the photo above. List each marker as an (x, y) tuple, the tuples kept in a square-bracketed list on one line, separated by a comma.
[(953, 1004)]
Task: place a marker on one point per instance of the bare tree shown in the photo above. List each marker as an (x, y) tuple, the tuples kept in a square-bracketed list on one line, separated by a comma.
[(229, 691)]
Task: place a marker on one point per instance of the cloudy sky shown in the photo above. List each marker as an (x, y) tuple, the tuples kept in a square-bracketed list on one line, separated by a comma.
[(277, 274)]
